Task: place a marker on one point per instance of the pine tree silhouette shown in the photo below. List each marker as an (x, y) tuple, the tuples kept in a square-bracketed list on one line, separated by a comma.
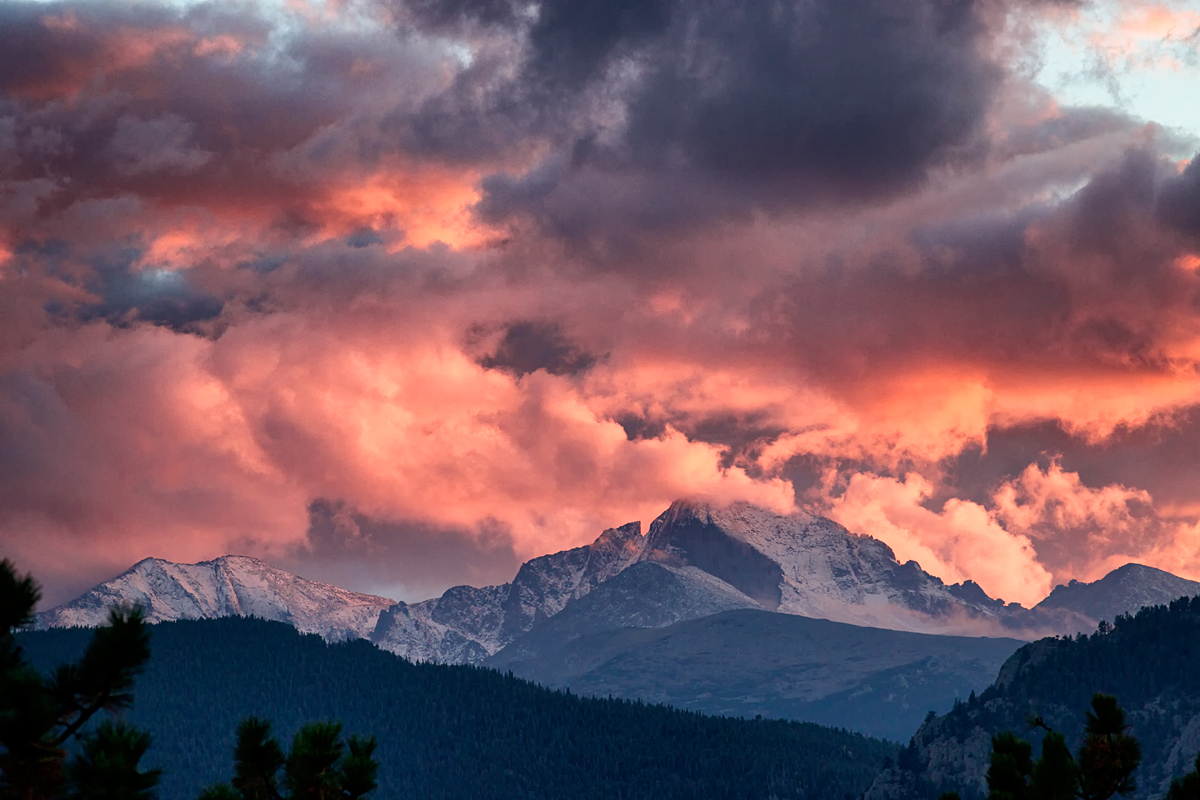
[(1109, 754), (1108, 757), (1187, 787), (38, 717), (320, 765)]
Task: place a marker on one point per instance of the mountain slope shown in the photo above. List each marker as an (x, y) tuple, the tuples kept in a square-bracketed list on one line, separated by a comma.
[(809, 565), (1122, 591), (736, 556), (1148, 661), (465, 625), (646, 595), (749, 662), (224, 587), (456, 731)]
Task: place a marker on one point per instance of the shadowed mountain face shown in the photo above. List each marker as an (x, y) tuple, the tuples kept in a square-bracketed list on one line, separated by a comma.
[(682, 538), (647, 595), (747, 662)]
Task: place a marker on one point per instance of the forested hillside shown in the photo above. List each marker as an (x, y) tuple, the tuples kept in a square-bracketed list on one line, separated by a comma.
[(457, 731), (1150, 662)]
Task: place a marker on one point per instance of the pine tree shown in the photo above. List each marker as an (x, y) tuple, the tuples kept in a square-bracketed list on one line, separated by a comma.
[(1108, 757), (1109, 754), (320, 766), (1187, 787), (38, 717), (1008, 774)]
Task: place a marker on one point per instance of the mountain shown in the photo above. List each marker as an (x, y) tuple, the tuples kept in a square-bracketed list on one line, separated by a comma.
[(455, 731), (753, 662), (1148, 661), (230, 586), (804, 564), (710, 558), (466, 625), (644, 596), (1122, 591)]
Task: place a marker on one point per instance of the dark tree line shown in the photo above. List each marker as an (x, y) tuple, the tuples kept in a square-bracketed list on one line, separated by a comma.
[(1147, 659), (320, 765), (51, 750), (459, 731)]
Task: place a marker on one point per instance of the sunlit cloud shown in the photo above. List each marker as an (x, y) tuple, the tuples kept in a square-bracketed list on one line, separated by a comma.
[(473, 275)]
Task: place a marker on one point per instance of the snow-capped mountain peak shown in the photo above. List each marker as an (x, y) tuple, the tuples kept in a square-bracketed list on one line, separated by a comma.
[(803, 564), (224, 587), (697, 558)]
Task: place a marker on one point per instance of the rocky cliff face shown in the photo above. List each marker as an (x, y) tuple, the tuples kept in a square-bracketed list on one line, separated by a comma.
[(224, 587), (466, 625)]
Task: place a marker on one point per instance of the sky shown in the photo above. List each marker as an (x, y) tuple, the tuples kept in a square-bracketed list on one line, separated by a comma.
[(396, 294)]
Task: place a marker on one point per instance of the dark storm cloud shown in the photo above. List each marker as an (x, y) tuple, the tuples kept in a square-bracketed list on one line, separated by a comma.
[(1179, 204), (193, 107), (730, 107), (528, 346), (351, 549)]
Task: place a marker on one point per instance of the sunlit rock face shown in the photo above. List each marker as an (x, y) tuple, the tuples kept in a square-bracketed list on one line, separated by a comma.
[(224, 587)]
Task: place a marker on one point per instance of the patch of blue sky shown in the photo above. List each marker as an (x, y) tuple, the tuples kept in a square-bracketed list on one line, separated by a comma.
[(1140, 58)]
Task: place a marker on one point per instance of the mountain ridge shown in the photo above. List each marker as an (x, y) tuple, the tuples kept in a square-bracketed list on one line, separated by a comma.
[(712, 558), (228, 586)]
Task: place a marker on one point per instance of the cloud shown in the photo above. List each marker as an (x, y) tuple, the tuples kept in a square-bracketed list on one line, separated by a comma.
[(961, 541), (1084, 532), (160, 145), (484, 281), (1039, 528), (717, 110), (401, 560)]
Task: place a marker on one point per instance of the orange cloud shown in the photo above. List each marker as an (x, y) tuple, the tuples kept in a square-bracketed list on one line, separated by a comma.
[(1091, 531), (961, 541), (426, 204)]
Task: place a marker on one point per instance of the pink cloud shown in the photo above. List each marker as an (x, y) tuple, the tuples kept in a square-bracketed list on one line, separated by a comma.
[(961, 541)]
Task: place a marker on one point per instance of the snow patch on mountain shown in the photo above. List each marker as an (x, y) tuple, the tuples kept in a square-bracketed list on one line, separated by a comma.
[(808, 565), (224, 587), (466, 625)]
